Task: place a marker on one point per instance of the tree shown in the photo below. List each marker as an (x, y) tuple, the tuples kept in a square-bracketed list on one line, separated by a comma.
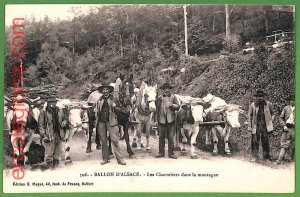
[(227, 14), (53, 61)]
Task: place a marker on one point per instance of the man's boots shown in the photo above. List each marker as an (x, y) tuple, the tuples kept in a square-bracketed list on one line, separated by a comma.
[(46, 165), (281, 155), (98, 147), (89, 147), (55, 163)]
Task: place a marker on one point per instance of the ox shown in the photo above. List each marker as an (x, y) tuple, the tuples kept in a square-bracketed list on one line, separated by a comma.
[(21, 125), (78, 119), (145, 106), (71, 117), (214, 103), (189, 116), (228, 116)]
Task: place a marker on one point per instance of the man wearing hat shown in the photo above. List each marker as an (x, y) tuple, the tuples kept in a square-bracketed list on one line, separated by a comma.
[(49, 129), (288, 133), (166, 106), (261, 115), (106, 120)]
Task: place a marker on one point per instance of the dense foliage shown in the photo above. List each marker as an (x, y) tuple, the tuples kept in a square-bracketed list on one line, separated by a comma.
[(112, 40)]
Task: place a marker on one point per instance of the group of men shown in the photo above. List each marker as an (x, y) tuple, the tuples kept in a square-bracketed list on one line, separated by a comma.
[(261, 116)]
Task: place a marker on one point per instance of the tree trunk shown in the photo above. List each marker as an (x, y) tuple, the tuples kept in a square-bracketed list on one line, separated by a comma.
[(185, 30), (121, 47), (243, 23), (214, 19), (266, 21), (227, 21), (133, 37), (277, 19)]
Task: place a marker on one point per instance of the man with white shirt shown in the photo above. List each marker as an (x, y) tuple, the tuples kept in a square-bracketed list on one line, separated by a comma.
[(288, 133)]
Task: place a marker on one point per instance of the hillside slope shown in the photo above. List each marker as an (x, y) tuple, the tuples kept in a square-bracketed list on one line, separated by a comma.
[(236, 77)]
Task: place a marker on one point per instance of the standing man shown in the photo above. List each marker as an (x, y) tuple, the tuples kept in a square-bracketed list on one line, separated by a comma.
[(107, 121), (287, 121), (166, 106), (261, 115), (50, 132)]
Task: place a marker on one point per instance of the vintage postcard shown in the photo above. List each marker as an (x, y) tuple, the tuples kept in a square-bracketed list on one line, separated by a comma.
[(149, 98)]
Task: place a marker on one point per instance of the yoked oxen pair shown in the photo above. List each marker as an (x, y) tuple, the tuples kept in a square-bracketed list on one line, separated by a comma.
[(21, 125), (145, 108), (219, 116)]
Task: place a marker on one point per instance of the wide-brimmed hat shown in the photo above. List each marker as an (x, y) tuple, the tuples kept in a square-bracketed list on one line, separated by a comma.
[(166, 86), (52, 99), (100, 88), (260, 92), (208, 98)]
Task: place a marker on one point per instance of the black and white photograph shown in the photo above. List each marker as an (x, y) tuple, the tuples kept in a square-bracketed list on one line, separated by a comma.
[(149, 98)]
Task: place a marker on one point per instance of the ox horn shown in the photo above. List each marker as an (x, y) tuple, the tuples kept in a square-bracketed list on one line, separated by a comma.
[(34, 100), (7, 99), (26, 100)]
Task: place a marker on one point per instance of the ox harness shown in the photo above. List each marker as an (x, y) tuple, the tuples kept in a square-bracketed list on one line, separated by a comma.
[(216, 118)]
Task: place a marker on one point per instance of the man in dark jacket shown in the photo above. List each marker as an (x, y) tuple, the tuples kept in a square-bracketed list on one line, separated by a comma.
[(51, 133), (166, 106), (261, 116), (107, 121)]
